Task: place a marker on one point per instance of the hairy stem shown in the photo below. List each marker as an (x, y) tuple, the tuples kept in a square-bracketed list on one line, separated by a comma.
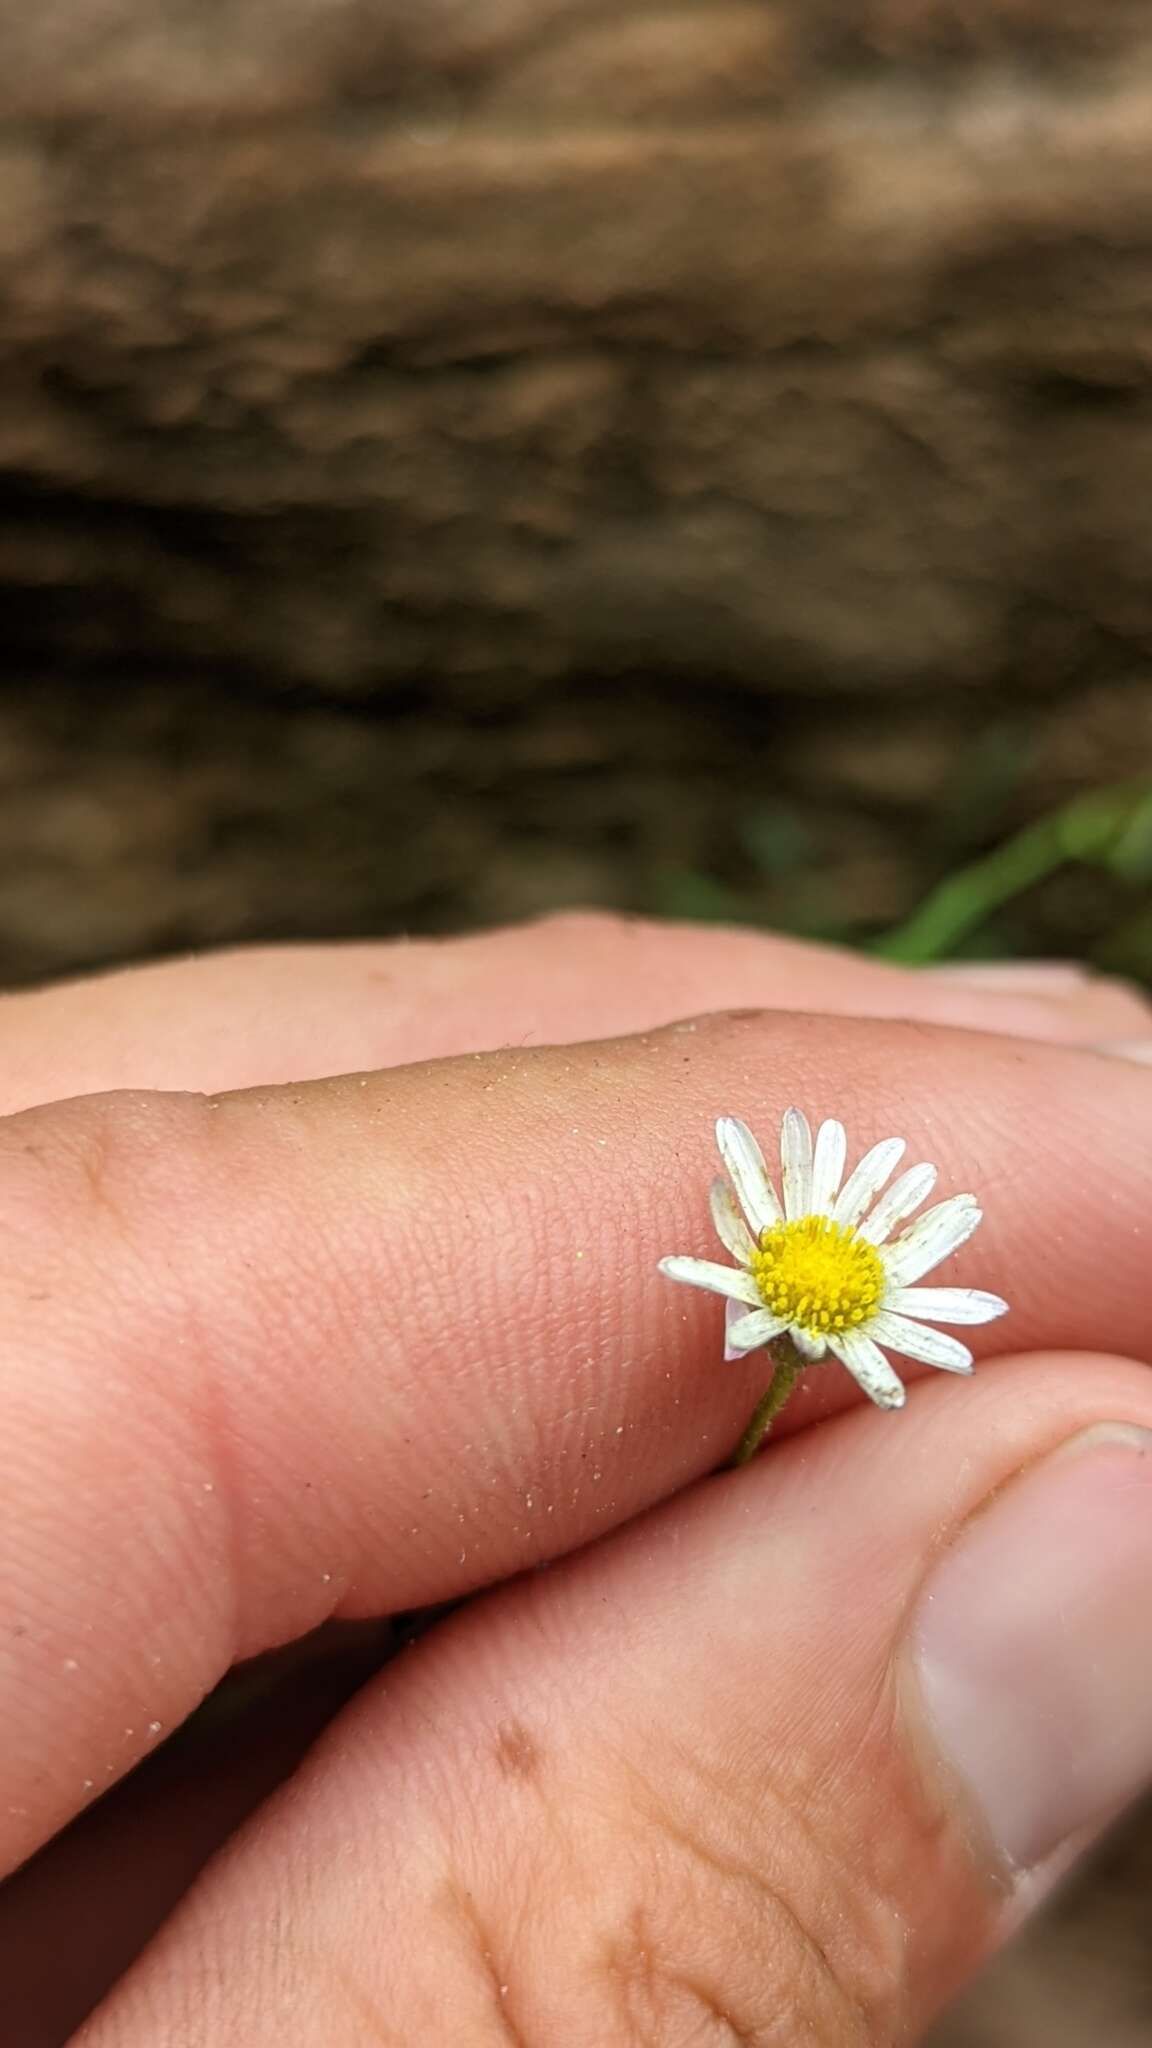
[(788, 1368)]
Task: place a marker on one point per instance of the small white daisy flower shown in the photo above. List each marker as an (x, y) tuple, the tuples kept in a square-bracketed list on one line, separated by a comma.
[(820, 1263)]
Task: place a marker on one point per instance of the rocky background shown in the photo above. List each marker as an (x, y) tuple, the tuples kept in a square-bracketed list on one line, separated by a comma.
[(460, 457)]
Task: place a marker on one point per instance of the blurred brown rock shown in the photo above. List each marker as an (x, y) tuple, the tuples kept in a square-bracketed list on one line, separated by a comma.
[(463, 455), (800, 344)]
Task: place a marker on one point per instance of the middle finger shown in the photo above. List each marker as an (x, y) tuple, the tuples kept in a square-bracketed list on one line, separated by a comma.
[(293, 1013)]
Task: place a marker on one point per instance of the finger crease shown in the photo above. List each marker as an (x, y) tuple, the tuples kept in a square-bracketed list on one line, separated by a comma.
[(659, 1979), (356, 2000), (483, 1947), (733, 1870)]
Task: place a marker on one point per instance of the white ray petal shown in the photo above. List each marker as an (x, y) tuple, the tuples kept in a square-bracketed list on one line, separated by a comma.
[(946, 1304), (902, 1199), (734, 1312), (731, 1228), (828, 1165), (747, 1333), (917, 1340), (749, 1174), (796, 1164), (811, 1348), (932, 1238), (866, 1180), (869, 1367), (730, 1280)]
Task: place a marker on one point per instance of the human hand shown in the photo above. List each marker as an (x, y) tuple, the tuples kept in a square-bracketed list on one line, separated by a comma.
[(363, 1344)]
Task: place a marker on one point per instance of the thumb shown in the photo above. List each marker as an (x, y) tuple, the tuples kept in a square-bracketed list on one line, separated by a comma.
[(780, 1762)]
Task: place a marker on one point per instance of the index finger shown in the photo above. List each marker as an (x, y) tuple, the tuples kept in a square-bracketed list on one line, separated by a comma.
[(368, 1343)]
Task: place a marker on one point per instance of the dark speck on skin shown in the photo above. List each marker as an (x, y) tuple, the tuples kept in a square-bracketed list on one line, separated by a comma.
[(517, 1752)]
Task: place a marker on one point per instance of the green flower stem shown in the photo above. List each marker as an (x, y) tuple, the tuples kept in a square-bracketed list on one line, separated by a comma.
[(789, 1365), (1111, 828)]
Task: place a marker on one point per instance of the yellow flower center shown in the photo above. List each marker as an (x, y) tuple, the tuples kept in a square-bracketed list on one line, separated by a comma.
[(819, 1275)]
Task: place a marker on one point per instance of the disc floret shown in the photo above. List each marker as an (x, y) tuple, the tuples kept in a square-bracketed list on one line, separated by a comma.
[(817, 1275)]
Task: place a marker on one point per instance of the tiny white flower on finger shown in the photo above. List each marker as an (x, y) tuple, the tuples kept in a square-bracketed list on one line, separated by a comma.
[(831, 1263)]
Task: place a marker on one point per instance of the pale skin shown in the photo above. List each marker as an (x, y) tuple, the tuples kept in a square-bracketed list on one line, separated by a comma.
[(328, 1286)]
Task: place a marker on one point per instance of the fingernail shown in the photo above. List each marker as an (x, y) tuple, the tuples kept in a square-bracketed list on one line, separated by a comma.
[(1034, 1645), (1038, 977), (1138, 1049)]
